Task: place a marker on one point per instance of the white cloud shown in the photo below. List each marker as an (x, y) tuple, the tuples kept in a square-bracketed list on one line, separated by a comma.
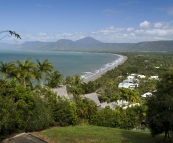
[(112, 34), (144, 24), (110, 29), (42, 34), (158, 25), (130, 29), (156, 32)]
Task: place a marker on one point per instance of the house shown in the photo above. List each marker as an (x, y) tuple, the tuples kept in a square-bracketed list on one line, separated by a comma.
[(61, 91), (122, 103), (130, 82), (112, 105), (94, 97), (141, 76), (154, 77), (103, 105), (130, 78), (127, 84), (148, 94)]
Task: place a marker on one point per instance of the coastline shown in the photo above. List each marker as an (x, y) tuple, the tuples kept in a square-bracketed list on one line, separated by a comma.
[(117, 62)]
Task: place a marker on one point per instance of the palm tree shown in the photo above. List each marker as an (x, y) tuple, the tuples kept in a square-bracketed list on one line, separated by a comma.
[(55, 79), (24, 71), (44, 68), (5, 69)]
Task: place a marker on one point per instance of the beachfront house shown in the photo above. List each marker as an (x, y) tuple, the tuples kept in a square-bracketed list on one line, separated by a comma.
[(61, 91), (128, 84), (94, 97), (131, 81)]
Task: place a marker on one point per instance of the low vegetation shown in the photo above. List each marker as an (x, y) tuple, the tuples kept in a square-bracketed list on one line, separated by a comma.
[(96, 134)]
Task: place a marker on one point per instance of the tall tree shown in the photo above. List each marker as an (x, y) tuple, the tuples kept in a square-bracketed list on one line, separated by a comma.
[(44, 68), (5, 69), (129, 95), (24, 70), (160, 107), (55, 79)]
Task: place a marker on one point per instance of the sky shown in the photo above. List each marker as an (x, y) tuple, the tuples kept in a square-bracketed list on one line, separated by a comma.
[(110, 21)]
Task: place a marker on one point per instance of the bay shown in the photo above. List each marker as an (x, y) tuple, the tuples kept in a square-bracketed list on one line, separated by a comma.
[(68, 63)]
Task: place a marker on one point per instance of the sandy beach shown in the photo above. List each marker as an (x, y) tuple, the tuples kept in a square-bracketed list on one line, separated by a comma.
[(119, 61)]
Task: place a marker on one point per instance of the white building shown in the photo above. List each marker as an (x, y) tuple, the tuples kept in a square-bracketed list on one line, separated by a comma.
[(127, 84), (122, 102), (131, 105), (141, 76), (148, 94), (154, 77)]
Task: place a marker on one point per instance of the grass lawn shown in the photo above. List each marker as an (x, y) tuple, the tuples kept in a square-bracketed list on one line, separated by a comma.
[(96, 134)]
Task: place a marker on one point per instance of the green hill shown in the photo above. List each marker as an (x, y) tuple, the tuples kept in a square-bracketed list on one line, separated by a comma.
[(153, 46), (91, 44)]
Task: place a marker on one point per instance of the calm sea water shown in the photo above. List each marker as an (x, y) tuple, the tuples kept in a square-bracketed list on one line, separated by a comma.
[(68, 63)]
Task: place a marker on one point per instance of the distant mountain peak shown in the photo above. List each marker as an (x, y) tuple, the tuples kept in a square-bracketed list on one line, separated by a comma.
[(88, 40)]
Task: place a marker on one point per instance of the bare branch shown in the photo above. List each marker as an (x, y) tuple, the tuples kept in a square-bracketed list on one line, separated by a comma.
[(11, 33)]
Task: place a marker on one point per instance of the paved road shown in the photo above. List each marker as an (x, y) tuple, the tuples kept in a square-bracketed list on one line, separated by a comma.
[(24, 138)]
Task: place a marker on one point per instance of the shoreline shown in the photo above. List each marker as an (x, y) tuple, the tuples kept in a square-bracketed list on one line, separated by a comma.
[(119, 61)]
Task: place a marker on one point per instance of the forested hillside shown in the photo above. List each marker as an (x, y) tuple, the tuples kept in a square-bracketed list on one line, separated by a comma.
[(91, 44)]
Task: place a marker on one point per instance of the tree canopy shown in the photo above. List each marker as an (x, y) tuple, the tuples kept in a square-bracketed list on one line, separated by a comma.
[(160, 107)]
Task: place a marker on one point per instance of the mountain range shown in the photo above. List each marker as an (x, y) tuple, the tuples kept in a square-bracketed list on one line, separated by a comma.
[(91, 44)]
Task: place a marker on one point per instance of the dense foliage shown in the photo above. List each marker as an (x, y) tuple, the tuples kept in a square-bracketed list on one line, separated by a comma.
[(27, 102), (160, 114)]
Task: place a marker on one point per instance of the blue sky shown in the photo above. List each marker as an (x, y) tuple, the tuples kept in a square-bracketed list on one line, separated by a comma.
[(113, 21)]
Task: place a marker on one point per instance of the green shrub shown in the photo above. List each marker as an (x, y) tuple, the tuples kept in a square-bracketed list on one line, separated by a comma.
[(65, 112), (106, 117), (86, 108), (129, 118), (7, 116), (41, 117)]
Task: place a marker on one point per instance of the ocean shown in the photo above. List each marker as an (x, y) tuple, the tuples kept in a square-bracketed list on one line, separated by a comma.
[(68, 63)]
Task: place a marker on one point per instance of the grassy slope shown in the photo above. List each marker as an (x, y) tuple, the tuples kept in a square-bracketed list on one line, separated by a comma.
[(95, 134)]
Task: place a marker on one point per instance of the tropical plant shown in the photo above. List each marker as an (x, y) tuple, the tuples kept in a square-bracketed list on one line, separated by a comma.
[(86, 108), (55, 79), (5, 69), (7, 116), (129, 95), (106, 117), (41, 117), (65, 112), (24, 71), (44, 69), (159, 113), (129, 118)]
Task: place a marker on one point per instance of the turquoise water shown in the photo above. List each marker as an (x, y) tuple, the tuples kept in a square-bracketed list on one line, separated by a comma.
[(68, 63)]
